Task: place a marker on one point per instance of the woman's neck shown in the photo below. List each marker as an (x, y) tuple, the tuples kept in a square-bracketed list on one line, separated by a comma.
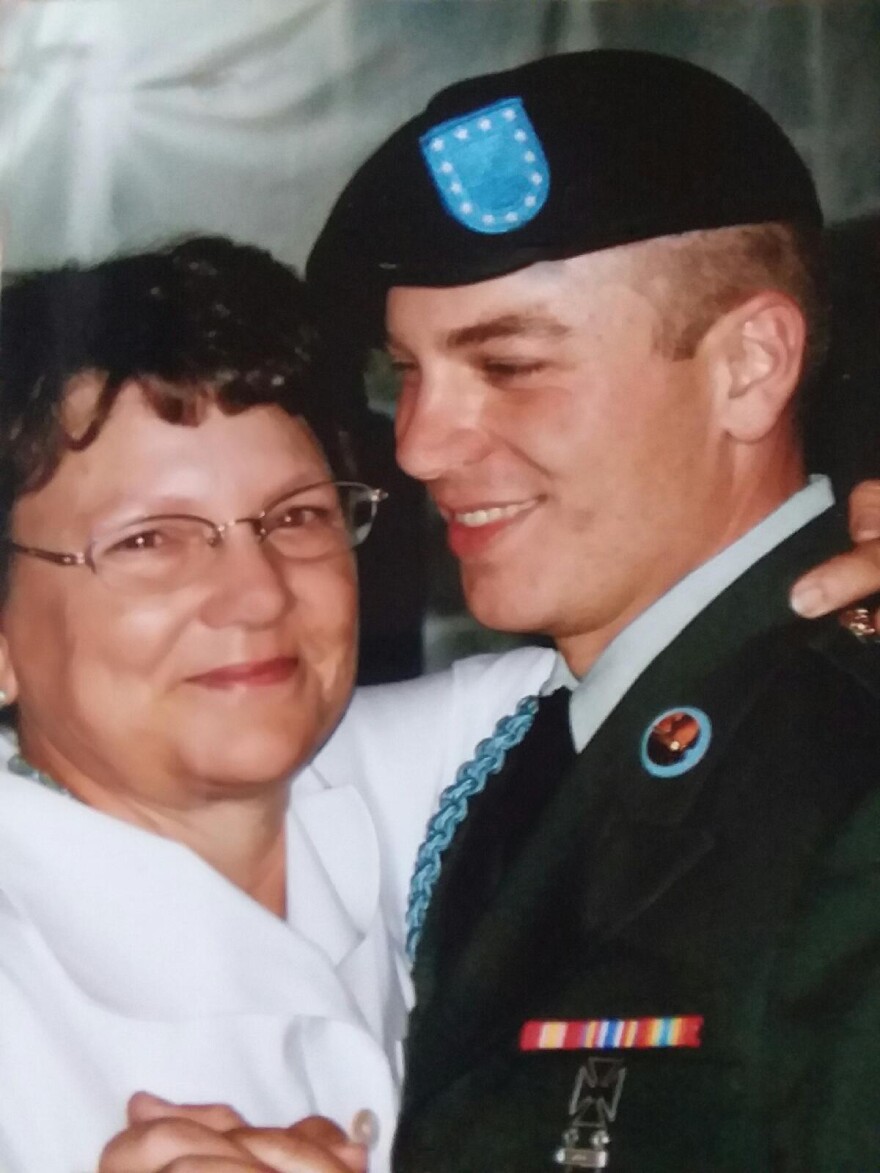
[(244, 840), (242, 836)]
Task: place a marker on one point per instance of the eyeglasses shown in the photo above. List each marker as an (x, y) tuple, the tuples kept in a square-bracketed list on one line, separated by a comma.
[(156, 554)]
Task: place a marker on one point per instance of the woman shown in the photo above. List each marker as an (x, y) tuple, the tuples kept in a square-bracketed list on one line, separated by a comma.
[(178, 629)]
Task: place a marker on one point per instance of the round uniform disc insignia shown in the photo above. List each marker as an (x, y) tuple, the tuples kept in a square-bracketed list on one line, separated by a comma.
[(675, 741), (489, 167)]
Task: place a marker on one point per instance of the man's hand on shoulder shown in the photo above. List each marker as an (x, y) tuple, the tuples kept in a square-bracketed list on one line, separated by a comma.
[(844, 580), (214, 1138)]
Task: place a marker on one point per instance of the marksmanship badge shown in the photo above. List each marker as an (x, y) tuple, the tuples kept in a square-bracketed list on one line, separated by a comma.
[(592, 1107), (489, 167)]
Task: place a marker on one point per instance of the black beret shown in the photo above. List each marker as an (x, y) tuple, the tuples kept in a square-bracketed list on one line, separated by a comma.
[(558, 157)]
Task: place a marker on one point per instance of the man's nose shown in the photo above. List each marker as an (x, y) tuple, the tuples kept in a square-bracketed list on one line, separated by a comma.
[(438, 431)]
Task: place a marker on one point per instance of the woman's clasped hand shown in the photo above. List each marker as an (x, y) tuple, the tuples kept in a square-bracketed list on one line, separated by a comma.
[(168, 1138)]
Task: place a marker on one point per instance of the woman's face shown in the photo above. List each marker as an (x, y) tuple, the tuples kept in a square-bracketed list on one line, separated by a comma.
[(209, 689)]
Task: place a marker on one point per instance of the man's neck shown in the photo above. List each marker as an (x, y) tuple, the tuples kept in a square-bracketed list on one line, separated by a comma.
[(760, 498)]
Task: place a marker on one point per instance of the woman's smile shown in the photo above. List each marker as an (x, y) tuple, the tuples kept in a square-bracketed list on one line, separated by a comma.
[(248, 674)]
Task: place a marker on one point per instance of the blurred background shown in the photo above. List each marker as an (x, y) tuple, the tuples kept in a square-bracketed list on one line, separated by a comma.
[(126, 122)]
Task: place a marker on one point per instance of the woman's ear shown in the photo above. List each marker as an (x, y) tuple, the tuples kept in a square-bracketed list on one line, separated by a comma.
[(754, 354), (8, 678)]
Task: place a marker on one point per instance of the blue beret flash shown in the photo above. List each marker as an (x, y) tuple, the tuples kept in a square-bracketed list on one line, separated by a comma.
[(489, 167)]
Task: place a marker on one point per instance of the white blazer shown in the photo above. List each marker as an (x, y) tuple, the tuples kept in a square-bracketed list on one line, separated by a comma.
[(128, 963), (400, 745)]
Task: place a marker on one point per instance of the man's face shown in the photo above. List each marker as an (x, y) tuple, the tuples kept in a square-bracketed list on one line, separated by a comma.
[(574, 464)]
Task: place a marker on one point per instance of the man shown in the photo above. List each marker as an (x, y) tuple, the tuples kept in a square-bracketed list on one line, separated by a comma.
[(396, 739), (655, 936)]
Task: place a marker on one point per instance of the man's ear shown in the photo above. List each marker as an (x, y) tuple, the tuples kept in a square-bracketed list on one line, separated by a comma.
[(754, 355)]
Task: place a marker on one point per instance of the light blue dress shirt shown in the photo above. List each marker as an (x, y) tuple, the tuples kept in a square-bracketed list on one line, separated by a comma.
[(633, 649)]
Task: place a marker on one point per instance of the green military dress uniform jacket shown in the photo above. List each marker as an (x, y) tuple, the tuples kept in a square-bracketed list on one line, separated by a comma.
[(744, 891)]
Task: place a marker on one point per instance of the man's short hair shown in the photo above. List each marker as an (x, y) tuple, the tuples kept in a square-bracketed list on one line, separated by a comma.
[(697, 277)]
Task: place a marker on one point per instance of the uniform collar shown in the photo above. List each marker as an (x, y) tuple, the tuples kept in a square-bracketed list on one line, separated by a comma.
[(627, 656)]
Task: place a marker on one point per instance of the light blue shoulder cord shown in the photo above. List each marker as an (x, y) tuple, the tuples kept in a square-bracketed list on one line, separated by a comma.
[(470, 779)]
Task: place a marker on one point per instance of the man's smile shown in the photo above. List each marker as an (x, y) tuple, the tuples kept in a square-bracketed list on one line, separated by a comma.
[(486, 514), (470, 530)]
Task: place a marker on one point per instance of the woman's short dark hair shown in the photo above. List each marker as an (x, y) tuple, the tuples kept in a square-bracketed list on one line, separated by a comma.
[(201, 321)]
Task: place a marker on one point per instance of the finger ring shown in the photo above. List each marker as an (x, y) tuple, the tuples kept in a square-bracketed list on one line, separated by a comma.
[(860, 622)]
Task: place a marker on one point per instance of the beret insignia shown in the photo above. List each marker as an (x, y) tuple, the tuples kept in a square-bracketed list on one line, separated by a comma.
[(489, 167)]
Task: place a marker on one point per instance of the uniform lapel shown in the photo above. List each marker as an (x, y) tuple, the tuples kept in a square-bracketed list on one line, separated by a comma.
[(616, 838)]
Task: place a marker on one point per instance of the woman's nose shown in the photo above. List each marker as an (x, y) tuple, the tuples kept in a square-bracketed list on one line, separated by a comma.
[(249, 586)]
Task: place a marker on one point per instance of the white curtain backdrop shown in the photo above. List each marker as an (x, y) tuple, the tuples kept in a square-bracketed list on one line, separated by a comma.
[(124, 122)]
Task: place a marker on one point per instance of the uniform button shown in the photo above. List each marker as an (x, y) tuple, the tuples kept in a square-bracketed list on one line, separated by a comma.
[(365, 1128)]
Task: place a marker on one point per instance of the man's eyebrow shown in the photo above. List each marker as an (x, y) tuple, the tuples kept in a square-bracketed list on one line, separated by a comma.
[(530, 325), (391, 344)]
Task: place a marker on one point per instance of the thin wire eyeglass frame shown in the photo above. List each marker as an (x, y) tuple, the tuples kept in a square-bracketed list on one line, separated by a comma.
[(215, 532)]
